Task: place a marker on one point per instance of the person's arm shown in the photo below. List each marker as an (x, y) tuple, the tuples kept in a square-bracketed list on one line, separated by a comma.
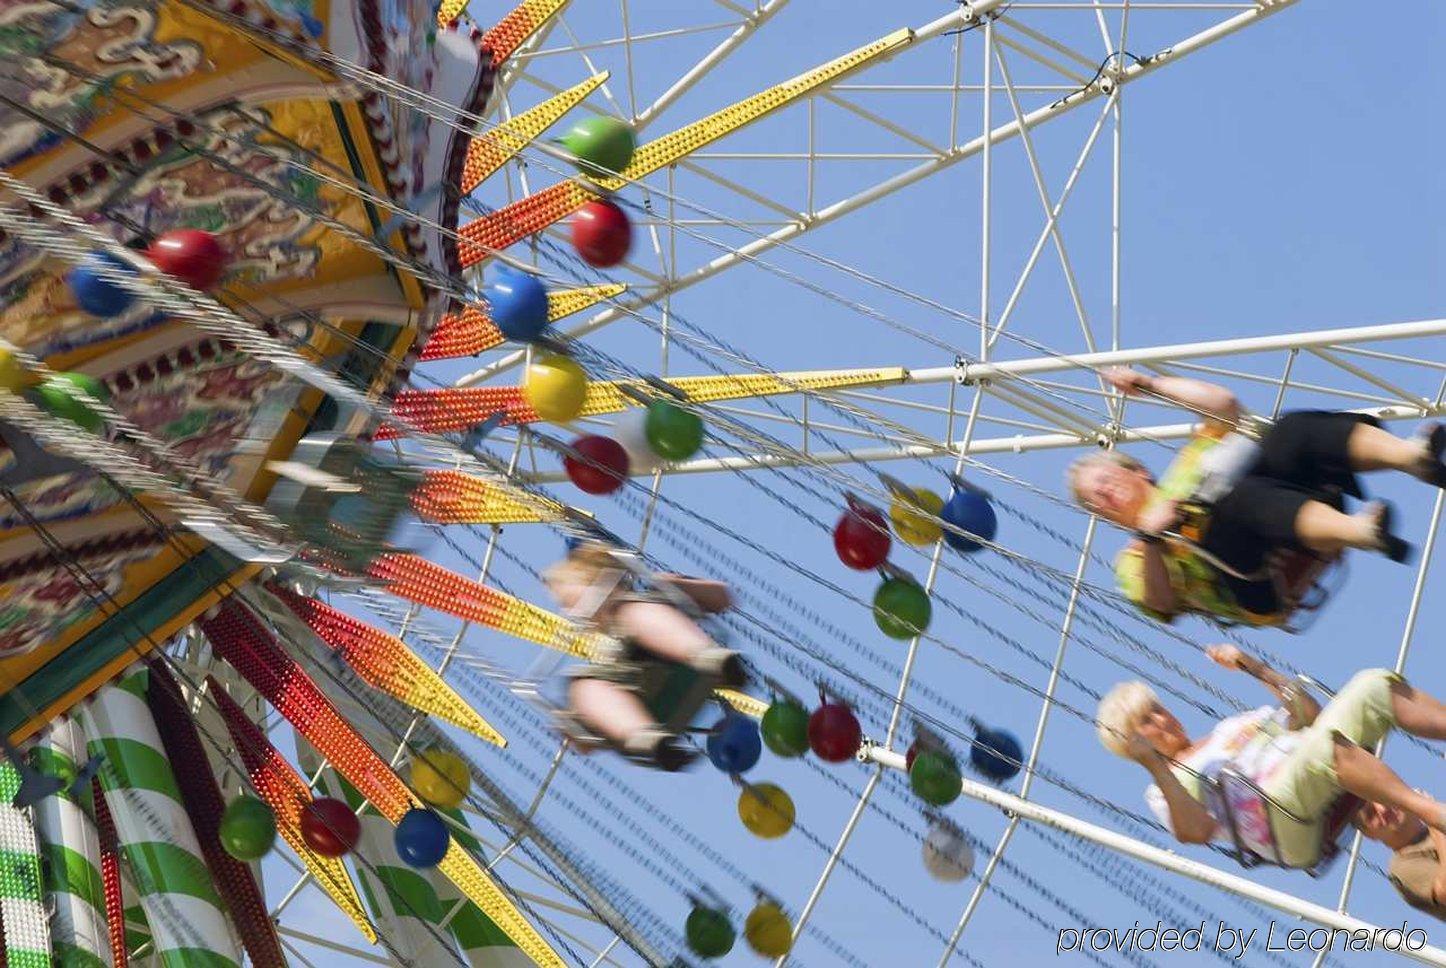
[(1302, 707), (710, 596), (1190, 822), (1213, 402), (1157, 594)]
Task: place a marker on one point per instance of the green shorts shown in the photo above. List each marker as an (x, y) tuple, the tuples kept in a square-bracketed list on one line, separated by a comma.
[(1306, 783)]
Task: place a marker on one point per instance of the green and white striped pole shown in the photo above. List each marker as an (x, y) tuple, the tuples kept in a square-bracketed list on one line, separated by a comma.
[(71, 849), (22, 897), (158, 845)]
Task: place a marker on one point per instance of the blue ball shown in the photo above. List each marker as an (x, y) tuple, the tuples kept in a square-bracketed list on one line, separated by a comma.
[(94, 294), (518, 302), (996, 754), (422, 838), (969, 511), (734, 745)]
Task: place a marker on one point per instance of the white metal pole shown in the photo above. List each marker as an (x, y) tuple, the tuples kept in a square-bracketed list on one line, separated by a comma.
[(1166, 859), (990, 445), (1402, 653)]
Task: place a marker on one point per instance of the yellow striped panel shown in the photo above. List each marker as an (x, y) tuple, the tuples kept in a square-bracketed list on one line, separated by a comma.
[(608, 398), (565, 302), (491, 151)]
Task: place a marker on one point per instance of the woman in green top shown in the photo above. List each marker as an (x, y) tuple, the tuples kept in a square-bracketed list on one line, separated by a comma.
[(1207, 529)]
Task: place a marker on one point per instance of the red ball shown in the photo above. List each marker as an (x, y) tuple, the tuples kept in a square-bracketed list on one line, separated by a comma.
[(600, 465), (329, 827), (191, 255), (834, 733), (861, 537), (602, 233)]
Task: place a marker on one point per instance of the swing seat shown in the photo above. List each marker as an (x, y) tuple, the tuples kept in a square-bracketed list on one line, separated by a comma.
[(1337, 818), (1304, 584)]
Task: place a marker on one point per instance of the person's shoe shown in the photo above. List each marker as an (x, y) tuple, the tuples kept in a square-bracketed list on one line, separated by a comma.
[(725, 665), (1396, 548), (659, 748), (1431, 468)]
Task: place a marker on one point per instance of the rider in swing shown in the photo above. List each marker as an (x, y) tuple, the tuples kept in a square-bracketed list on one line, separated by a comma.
[(1304, 758), (1240, 500), (648, 627)]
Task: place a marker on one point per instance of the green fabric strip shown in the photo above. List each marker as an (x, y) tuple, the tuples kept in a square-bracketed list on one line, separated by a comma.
[(71, 872), (135, 683), (194, 958), (69, 956), (410, 894), (162, 868), (133, 764), (474, 930)]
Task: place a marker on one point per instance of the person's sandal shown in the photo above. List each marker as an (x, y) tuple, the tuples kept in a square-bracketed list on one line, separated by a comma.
[(1430, 467), (725, 665), (658, 748), (1393, 547)]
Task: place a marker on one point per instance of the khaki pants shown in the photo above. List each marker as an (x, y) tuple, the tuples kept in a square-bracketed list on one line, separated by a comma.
[(1306, 784)]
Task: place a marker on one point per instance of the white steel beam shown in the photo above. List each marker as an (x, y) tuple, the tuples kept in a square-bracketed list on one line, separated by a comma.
[(988, 445), (966, 15), (1165, 859)]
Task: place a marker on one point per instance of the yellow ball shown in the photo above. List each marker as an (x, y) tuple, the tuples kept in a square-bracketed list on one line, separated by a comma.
[(765, 810), (441, 778), (914, 516), (555, 387), (13, 375), (768, 931)]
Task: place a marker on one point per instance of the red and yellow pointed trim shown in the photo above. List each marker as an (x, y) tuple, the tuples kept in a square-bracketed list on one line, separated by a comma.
[(240, 638), (285, 791), (471, 331), (384, 662), (491, 151), (456, 408)]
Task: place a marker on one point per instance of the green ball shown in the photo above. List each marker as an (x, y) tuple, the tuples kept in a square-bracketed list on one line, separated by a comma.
[(673, 433), (602, 145), (708, 932), (248, 828), (63, 396), (785, 728), (935, 778), (901, 608)]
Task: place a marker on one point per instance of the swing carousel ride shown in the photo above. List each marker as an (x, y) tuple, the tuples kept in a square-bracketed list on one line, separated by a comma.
[(327, 325)]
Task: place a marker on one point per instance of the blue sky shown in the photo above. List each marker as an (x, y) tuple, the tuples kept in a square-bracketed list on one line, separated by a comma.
[(1283, 179)]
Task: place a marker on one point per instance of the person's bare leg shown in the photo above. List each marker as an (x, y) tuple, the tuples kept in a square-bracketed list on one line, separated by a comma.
[(1326, 531), (609, 709), (662, 630), (1367, 777), (1418, 713), (1370, 448)]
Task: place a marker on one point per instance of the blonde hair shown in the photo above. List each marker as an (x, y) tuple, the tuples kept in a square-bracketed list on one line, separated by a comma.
[(582, 566), (1120, 713), (1077, 466)]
